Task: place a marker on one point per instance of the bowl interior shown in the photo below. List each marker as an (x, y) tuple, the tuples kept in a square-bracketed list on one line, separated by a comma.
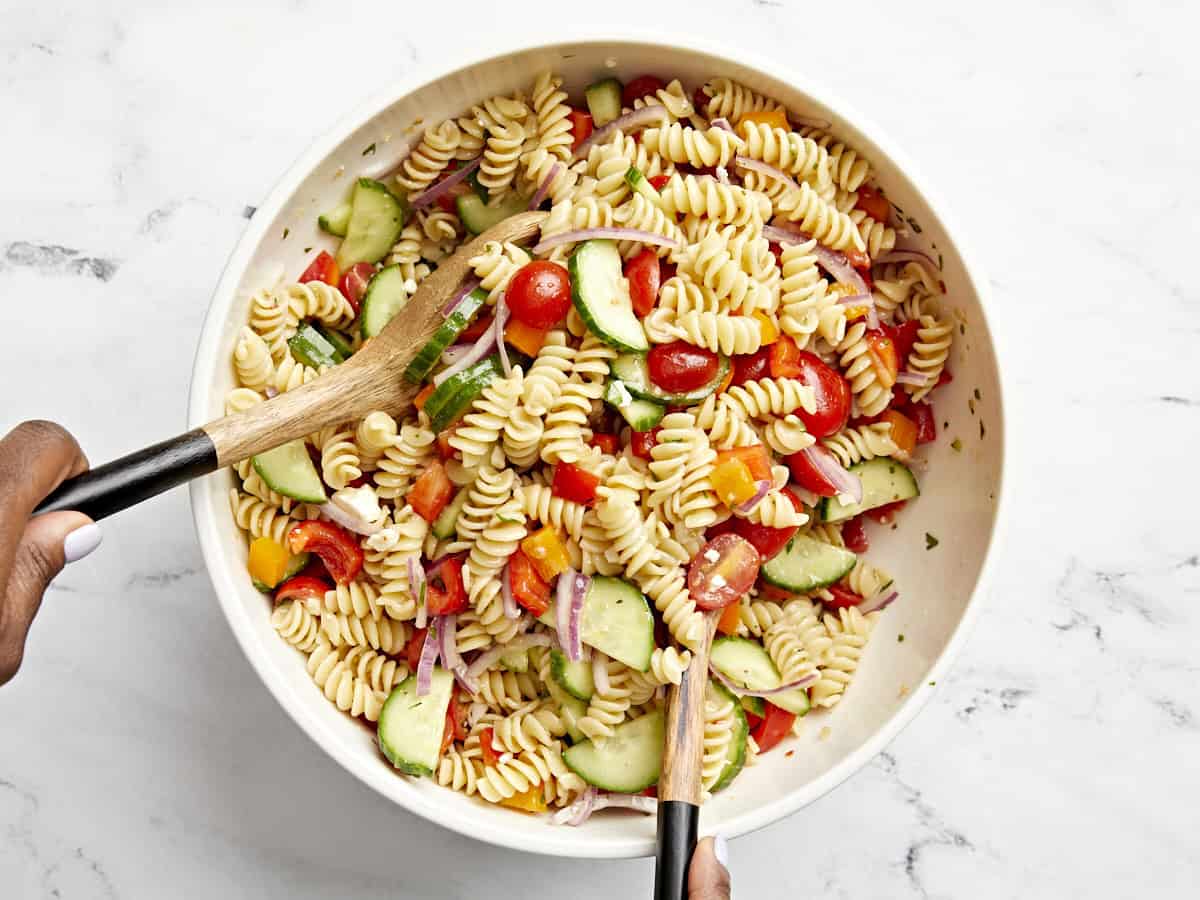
[(958, 506)]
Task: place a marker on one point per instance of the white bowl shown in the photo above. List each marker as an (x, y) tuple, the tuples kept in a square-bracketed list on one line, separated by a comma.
[(959, 503)]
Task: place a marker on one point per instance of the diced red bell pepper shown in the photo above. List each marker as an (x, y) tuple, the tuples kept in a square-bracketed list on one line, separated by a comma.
[(445, 593), (658, 182), (903, 337), (423, 396), (854, 535), (841, 597), (874, 204), (642, 442), (490, 756), (785, 358), (885, 514), (775, 726), (574, 483), (354, 281), (412, 650), (529, 589), (445, 451), (475, 330), (323, 268), (922, 416), (302, 587), (431, 491), (608, 443), (581, 127), (337, 547)]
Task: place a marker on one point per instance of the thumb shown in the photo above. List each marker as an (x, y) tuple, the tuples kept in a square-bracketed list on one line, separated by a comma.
[(708, 879), (47, 544)]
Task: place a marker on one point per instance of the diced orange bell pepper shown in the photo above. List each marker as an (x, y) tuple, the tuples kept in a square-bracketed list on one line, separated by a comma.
[(422, 395), (904, 431), (883, 357), (770, 331), (731, 618), (547, 553), (490, 756), (524, 337), (727, 381), (755, 457), (776, 118), (733, 482), (530, 801), (268, 561)]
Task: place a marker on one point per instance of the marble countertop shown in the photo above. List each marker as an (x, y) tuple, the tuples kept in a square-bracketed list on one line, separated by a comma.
[(141, 757)]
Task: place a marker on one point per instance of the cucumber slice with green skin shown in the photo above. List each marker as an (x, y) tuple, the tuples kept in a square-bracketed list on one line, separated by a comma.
[(572, 709), (376, 219), (642, 415), (641, 185), (574, 677), (454, 396), (454, 325), (477, 216), (385, 296), (340, 344), (616, 620), (884, 480), (336, 221), (295, 564), (754, 705), (516, 662), (480, 191), (311, 348), (807, 564), (601, 295), (259, 586), (288, 470), (747, 664), (604, 101), (410, 727), (634, 373), (735, 754), (627, 762), (444, 524)]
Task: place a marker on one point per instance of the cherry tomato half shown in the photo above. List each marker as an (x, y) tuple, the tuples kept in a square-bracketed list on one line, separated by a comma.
[(581, 127), (642, 442), (643, 274), (903, 337), (808, 475), (679, 367), (768, 541), (322, 268), (874, 204), (854, 534), (640, 87), (540, 293), (336, 546), (724, 569), (832, 396), (354, 282), (841, 598), (752, 366), (302, 587), (658, 182), (775, 726)]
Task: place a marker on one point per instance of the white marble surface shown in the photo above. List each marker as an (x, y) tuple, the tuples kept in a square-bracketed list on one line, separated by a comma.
[(140, 756)]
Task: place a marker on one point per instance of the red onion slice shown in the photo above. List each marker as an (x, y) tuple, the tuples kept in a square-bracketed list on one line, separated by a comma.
[(774, 172), (762, 488), (454, 353), (448, 630), (418, 585), (915, 379), (578, 812), (905, 256), (417, 201), (830, 260), (511, 610), (857, 300), (544, 187), (831, 468), (809, 122), (271, 391), (429, 656), (463, 289), (592, 801), (723, 175), (888, 598), (481, 348), (616, 234), (348, 520), (489, 657), (498, 323), (740, 691), (722, 123), (570, 592), (636, 802), (639, 118)]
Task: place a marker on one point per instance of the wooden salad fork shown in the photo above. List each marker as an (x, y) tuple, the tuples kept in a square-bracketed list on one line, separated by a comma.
[(369, 380)]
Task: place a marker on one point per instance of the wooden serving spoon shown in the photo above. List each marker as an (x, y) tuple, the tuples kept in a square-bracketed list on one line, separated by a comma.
[(679, 788), (369, 380)]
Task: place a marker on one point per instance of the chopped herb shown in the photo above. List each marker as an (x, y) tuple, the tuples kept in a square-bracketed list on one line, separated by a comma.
[(978, 396), (956, 445), (286, 232), (932, 683), (971, 404), (962, 329), (915, 226), (941, 265), (308, 249), (415, 705), (945, 425), (899, 639), (930, 541), (982, 430), (370, 151)]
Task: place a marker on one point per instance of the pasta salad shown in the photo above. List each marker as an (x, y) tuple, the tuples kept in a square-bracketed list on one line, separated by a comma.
[(692, 393)]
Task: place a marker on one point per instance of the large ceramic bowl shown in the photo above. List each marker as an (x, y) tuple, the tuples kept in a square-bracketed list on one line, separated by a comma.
[(959, 503)]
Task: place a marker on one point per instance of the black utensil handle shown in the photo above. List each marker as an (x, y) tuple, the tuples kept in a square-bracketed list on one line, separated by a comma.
[(136, 477), (678, 823)]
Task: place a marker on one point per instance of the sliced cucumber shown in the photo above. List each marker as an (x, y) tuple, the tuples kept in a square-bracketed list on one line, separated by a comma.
[(627, 762), (376, 220), (454, 325), (807, 564), (411, 727), (747, 664), (517, 661), (295, 565), (631, 368), (884, 480), (642, 415), (340, 344), (336, 220), (572, 709), (616, 620), (312, 348), (574, 677), (735, 754), (601, 295), (604, 101), (641, 185), (386, 295), (454, 396), (478, 216), (754, 705), (444, 525), (288, 470)]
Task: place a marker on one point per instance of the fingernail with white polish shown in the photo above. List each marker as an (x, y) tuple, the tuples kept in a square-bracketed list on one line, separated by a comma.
[(721, 850), (82, 541)]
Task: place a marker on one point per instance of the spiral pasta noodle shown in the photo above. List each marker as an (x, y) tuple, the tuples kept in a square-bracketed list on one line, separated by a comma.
[(731, 100), (496, 266), (929, 353), (375, 434), (702, 195), (339, 456), (820, 219), (430, 158), (793, 153), (480, 429), (502, 150), (643, 215), (296, 625), (848, 633), (787, 435), (771, 397), (383, 634), (848, 168), (718, 735), (870, 396), (553, 116), (697, 147), (401, 462), (802, 291), (252, 360), (258, 518), (853, 445)]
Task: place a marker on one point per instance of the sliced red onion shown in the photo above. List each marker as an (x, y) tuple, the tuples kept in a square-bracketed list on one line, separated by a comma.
[(448, 630), (616, 234), (722, 175), (831, 468), (463, 289), (722, 123), (544, 187), (740, 691), (636, 802), (830, 260), (809, 122), (804, 495), (578, 812), (511, 610), (591, 801), (905, 256), (915, 379), (431, 194), (498, 323), (571, 589), (348, 520), (600, 675), (857, 300), (454, 353), (870, 606), (757, 165), (489, 657), (481, 348), (639, 118), (562, 610), (271, 391), (429, 656), (761, 489), (418, 586)]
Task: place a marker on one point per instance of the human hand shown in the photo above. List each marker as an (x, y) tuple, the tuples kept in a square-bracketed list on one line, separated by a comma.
[(708, 875), (35, 457)]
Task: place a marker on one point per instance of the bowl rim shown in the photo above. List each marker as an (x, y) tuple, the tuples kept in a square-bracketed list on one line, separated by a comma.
[(208, 526)]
